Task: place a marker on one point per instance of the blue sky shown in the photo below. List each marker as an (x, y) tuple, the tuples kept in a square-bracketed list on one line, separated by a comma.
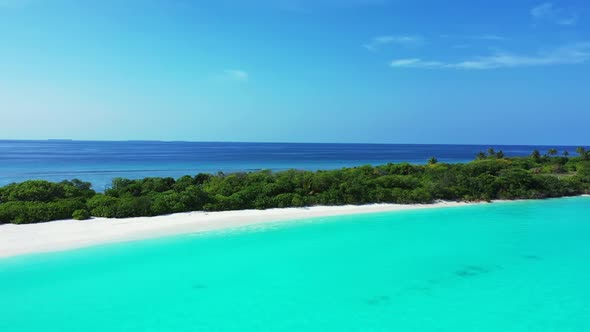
[(382, 71)]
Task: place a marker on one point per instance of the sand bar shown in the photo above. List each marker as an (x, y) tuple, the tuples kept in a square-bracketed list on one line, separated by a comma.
[(72, 234)]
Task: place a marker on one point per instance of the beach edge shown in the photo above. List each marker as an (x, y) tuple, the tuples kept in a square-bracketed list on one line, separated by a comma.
[(62, 235)]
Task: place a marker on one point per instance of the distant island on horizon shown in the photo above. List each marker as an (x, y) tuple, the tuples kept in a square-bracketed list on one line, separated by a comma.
[(572, 145)]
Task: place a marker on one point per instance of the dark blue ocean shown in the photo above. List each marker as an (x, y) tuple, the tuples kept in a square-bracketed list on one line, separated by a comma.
[(99, 162)]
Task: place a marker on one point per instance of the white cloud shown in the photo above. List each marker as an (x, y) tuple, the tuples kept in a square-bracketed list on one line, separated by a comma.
[(416, 63), (236, 74), (543, 10), (568, 20), (380, 41), (548, 12), (570, 54)]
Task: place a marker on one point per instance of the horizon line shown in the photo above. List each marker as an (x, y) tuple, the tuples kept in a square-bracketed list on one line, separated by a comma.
[(277, 142)]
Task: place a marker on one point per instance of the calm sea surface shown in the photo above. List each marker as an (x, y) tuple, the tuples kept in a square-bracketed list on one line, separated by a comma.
[(100, 162), (517, 266)]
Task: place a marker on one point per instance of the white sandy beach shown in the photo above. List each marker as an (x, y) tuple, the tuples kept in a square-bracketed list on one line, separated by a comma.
[(71, 234)]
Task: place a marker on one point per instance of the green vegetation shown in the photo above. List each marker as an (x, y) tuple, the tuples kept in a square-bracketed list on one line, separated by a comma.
[(37, 200), (81, 214), (490, 176)]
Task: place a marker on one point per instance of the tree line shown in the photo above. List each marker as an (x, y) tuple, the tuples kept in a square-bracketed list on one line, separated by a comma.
[(490, 176)]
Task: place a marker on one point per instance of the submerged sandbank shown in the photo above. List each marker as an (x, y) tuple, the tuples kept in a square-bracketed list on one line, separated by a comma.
[(72, 234)]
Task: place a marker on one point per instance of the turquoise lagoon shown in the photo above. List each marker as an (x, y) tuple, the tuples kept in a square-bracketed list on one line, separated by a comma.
[(515, 266)]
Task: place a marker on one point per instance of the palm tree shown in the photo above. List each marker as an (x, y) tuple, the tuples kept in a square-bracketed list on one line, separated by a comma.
[(581, 150), (491, 151), (500, 154), (481, 155), (536, 155), (432, 161), (566, 153), (552, 152)]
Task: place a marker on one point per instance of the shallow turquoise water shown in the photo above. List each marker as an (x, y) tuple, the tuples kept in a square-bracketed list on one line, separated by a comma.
[(518, 266)]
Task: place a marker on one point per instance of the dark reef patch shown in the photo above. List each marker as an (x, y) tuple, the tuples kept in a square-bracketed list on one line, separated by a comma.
[(471, 271), (380, 299), (531, 257)]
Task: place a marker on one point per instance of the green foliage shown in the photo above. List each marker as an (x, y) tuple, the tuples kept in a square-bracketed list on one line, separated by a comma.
[(81, 214), (489, 177), (584, 154), (25, 212), (536, 155), (44, 191), (115, 207), (38, 200)]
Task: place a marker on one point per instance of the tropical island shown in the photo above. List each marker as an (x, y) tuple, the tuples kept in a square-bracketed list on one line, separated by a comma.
[(490, 176)]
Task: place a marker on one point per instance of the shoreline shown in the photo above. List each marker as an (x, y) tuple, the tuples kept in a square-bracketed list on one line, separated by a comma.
[(61, 235)]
